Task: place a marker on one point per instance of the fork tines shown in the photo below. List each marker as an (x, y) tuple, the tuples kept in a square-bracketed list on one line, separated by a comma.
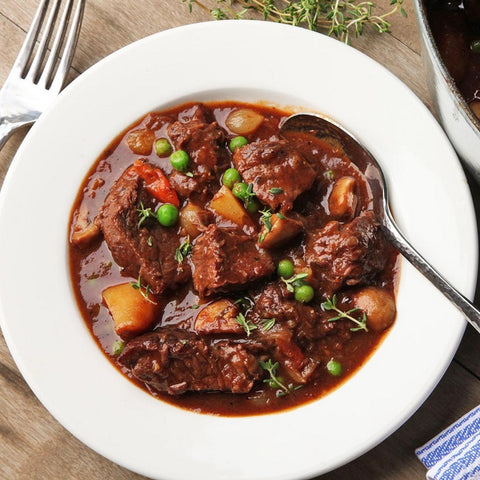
[(30, 63)]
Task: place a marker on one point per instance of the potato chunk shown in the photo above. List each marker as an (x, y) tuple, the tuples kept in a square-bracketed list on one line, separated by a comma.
[(218, 317), (225, 204), (343, 200), (132, 313), (283, 229), (379, 306), (141, 141)]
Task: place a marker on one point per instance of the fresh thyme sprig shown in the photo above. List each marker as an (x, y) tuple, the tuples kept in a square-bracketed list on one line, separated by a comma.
[(249, 195), (275, 381), (183, 250), (267, 324), (343, 19), (294, 281), (144, 213), (266, 219), (331, 304), (247, 325), (144, 290)]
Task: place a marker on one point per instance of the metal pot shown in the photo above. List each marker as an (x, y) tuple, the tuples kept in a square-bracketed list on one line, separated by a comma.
[(459, 122)]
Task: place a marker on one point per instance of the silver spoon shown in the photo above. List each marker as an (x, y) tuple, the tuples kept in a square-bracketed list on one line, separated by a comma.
[(331, 132)]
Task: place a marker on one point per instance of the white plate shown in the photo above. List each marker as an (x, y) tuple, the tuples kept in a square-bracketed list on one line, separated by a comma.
[(246, 61)]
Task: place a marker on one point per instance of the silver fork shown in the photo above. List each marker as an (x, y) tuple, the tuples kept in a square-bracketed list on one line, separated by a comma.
[(30, 88)]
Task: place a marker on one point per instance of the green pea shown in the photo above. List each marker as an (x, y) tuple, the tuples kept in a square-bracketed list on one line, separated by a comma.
[(231, 177), (304, 293), (180, 160), (334, 368), (285, 268), (167, 214), (237, 142), (240, 190), (163, 147), (253, 205)]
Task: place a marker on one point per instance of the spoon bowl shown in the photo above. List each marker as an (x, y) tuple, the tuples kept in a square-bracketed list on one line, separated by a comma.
[(333, 133)]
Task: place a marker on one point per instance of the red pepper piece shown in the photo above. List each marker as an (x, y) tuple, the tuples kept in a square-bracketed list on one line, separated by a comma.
[(156, 183)]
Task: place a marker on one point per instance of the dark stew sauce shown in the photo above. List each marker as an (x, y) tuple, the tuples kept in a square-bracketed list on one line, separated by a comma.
[(238, 307), (455, 25)]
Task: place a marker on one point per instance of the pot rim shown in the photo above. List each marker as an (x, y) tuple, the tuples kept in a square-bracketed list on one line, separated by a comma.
[(431, 46)]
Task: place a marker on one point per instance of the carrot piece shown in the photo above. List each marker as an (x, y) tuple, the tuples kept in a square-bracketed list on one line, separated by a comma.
[(156, 183)]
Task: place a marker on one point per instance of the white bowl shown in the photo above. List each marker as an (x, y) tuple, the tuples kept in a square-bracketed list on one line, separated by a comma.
[(247, 61)]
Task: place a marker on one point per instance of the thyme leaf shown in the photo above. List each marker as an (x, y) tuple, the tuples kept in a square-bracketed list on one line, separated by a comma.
[(144, 213), (331, 305), (267, 324), (144, 290), (266, 219), (329, 175), (343, 19), (276, 191), (294, 281), (118, 347), (247, 325), (276, 381), (183, 250), (249, 195)]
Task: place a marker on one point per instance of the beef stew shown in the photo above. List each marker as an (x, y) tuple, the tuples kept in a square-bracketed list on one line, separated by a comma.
[(227, 268)]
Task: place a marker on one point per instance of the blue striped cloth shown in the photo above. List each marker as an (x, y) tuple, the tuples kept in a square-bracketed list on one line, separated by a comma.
[(454, 454)]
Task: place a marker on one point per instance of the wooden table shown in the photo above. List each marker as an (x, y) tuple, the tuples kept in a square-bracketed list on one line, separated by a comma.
[(33, 445)]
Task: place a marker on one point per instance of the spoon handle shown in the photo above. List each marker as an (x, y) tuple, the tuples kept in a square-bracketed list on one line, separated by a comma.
[(408, 251)]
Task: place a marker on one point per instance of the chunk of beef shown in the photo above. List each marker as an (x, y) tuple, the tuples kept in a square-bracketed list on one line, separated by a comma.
[(177, 361), (225, 260), (292, 321), (274, 164), (203, 141), (275, 301), (307, 322), (147, 250), (348, 254)]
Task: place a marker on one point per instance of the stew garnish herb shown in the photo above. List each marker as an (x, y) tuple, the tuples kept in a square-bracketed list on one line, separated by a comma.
[(331, 304)]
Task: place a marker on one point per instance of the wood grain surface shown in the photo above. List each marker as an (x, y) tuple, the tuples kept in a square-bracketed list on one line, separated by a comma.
[(33, 445)]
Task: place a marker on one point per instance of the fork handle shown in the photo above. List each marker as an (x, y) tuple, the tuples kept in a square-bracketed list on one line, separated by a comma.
[(413, 256)]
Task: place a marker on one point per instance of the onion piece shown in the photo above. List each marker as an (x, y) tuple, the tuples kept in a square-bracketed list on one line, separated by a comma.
[(243, 121)]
